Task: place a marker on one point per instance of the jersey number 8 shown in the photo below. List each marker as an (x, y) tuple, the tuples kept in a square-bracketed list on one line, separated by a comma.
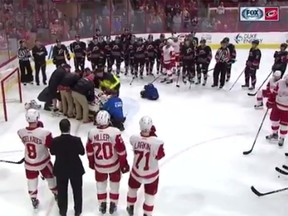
[(31, 150)]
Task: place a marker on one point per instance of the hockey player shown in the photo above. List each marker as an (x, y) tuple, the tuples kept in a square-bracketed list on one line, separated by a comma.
[(160, 43), (176, 46), (252, 65), (79, 49), (37, 157), (281, 59), (107, 50), (24, 63), (117, 55), (278, 101), (168, 61), (269, 89), (232, 50), (39, 53), (126, 38), (139, 57), (151, 53), (106, 81), (59, 54), (148, 150), (222, 58), (192, 37), (203, 59), (187, 58), (107, 156), (95, 54), (129, 56)]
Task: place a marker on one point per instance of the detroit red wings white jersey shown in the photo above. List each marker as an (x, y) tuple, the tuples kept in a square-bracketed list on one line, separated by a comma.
[(281, 92), (36, 141), (168, 54), (176, 46), (105, 148), (147, 152), (271, 84)]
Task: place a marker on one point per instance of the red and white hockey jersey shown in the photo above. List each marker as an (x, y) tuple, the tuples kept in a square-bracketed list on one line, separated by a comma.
[(271, 84), (147, 152), (176, 46), (36, 141), (168, 55), (280, 95), (106, 149)]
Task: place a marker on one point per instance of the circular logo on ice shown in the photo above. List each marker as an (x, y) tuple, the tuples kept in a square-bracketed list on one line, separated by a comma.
[(250, 14)]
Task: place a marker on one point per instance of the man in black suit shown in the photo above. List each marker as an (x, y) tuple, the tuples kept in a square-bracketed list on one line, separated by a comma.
[(68, 166)]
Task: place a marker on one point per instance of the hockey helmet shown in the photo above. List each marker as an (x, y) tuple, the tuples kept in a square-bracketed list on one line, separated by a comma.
[(95, 38), (256, 42), (284, 46), (58, 41), (140, 40), (202, 41), (277, 74), (77, 36), (108, 38), (102, 118), (117, 39), (170, 41), (162, 36), (32, 115), (145, 124), (226, 39), (150, 37)]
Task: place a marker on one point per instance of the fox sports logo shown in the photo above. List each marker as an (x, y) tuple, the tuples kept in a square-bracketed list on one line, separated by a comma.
[(252, 13)]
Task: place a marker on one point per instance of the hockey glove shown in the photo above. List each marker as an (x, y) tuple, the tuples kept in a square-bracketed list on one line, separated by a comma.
[(269, 104), (125, 168)]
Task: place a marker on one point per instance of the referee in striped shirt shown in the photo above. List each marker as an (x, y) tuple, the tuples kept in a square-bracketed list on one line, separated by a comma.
[(24, 63)]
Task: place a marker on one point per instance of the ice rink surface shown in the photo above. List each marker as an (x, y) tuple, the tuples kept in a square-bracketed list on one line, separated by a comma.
[(204, 172)]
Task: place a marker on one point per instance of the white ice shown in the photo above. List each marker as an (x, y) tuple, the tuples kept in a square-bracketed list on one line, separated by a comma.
[(204, 172)]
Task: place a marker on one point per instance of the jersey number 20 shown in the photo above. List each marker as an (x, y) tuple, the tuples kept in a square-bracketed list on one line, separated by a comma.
[(103, 151)]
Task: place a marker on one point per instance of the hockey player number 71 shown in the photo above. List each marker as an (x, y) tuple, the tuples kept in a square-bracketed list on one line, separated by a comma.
[(142, 156)]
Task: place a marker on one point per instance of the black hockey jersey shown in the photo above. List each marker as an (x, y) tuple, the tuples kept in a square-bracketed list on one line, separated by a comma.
[(203, 54), (222, 55), (39, 54), (187, 53), (60, 52), (95, 50), (139, 51), (151, 49), (78, 48), (254, 58), (232, 50), (116, 50), (159, 46)]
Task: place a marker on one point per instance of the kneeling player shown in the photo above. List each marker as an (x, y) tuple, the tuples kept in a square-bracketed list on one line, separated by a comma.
[(107, 156), (269, 89), (148, 149), (278, 101), (37, 157)]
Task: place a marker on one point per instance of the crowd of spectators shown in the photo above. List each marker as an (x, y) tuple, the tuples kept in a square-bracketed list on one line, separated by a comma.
[(42, 19)]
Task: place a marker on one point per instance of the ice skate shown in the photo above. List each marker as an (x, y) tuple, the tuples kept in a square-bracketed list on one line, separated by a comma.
[(35, 203), (286, 154), (198, 82), (259, 106), (184, 79), (227, 79), (281, 141), (112, 208), (221, 86), (272, 137), (130, 210), (169, 81), (251, 88), (245, 86), (103, 207), (141, 76), (214, 85), (204, 83), (164, 80)]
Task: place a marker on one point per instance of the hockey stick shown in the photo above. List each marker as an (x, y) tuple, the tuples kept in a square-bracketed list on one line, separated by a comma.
[(133, 78), (285, 167), (157, 77), (13, 162), (279, 170), (249, 151), (236, 80), (253, 94), (259, 194)]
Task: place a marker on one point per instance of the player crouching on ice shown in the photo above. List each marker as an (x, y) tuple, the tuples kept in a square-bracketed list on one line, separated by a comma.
[(278, 102), (168, 61), (107, 156), (114, 106), (268, 91), (148, 150), (37, 142), (150, 92)]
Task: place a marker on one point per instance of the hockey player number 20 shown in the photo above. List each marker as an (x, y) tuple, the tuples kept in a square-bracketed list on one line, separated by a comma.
[(31, 150), (103, 151), (142, 156)]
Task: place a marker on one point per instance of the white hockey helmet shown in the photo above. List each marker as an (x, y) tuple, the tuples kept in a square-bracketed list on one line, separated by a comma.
[(277, 74), (103, 118), (170, 41), (145, 123), (32, 115)]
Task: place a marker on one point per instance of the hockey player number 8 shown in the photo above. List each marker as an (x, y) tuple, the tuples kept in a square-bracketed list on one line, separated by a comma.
[(142, 156), (103, 151), (31, 150)]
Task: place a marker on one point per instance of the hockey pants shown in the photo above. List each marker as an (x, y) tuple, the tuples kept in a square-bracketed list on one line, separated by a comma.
[(26, 71), (188, 69), (111, 62), (149, 65), (139, 62), (202, 69), (220, 69), (250, 73), (79, 63)]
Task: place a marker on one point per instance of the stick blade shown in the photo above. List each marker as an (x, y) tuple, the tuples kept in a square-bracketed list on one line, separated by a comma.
[(247, 152), (251, 94), (255, 191)]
